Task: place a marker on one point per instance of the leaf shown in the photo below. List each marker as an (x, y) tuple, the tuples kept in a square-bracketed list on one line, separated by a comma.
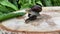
[(15, 2), (11, 15), (8, 4), (39, 2), (3, 9)]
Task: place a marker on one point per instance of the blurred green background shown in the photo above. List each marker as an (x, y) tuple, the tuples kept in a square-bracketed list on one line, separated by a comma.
[(8, 6)]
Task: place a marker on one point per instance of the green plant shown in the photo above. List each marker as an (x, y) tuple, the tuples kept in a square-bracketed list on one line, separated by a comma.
[(9, 6), (10, 15)]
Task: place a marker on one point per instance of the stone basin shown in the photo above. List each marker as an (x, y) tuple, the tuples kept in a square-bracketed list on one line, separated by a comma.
[(41, 25)]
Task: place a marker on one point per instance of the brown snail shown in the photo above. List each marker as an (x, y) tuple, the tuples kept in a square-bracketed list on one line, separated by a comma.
[(33, 13)]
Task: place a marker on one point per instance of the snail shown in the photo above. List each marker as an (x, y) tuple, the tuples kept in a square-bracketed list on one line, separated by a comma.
[(33, 12)]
